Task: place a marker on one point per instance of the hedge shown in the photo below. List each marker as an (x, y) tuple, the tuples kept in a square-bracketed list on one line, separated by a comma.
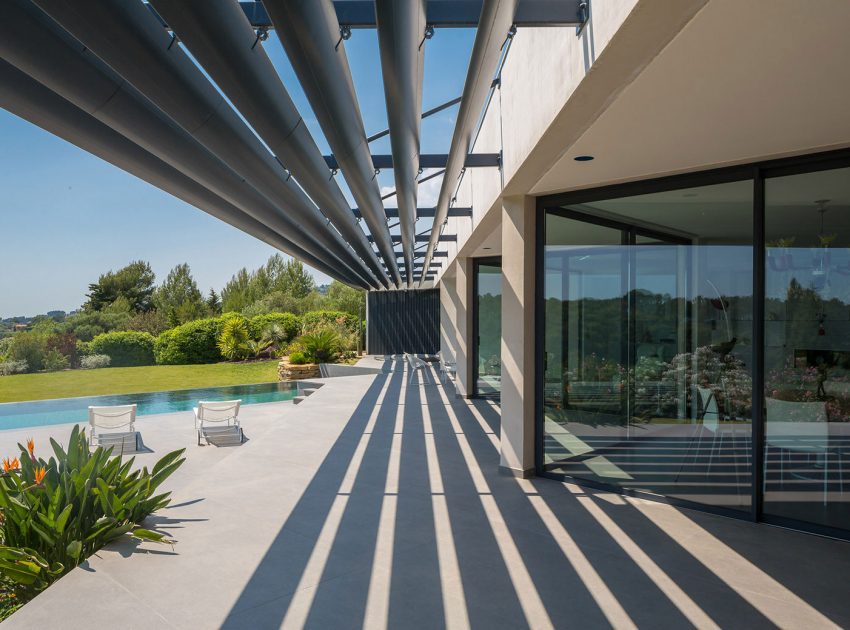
[(289, 322), (125, 348), (193, 342), (315, 319)]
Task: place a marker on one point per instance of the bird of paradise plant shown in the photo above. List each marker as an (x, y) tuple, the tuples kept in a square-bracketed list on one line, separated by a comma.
[(55, 513)]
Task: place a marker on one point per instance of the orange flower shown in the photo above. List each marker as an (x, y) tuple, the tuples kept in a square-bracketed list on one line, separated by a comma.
[(40, 473), (31, 447), (7, 465)]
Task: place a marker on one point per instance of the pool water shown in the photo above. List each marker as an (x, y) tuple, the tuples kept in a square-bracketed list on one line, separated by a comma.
[(60, 410)]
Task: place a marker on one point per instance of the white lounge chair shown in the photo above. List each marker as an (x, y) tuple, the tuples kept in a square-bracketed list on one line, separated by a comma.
[(218, 421), (448, 369), (415, 364), (104, 422)]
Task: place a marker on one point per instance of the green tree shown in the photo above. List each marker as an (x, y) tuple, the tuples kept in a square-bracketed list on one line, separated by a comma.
[(347, 299), (134, 283), (294, 279), (179, 297), (236, 293), (213, 303)]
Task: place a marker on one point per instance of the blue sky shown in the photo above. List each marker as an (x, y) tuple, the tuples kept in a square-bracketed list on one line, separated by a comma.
[(67, 216)]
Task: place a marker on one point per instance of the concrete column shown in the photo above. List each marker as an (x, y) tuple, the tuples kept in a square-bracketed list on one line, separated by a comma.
[(518, 365), (448, 314), (465, 346)]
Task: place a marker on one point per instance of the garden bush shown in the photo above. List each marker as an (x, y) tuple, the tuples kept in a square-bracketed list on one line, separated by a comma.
[(320, 347), (13, 367), (55, 361), (193, 342), (58, 511), (314, 320), (95, 361), (290, 326), (298, 358), (30, 347), (233, 338), (126, 348)]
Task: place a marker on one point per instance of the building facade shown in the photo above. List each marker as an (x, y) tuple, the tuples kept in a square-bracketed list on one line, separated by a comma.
[(656, 281)]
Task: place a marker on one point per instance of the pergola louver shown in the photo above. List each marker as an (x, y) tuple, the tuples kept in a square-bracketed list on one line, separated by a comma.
[(132, 42), (32, 42), (220, 37), (32, 101), (401, 36), (493, 26), (309, 32), (109, 78)]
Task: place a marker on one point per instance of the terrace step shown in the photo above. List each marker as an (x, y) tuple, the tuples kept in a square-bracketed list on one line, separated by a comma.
[(299, 399)]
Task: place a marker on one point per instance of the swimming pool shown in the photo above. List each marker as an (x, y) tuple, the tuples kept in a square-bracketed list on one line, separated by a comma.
[(60, 410)]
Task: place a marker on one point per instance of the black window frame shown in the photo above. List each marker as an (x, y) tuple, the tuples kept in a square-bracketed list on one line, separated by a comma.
[(756, 172), (476, 263)]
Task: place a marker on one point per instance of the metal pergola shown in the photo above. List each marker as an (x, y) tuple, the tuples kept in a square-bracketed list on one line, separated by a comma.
[(114, 78)]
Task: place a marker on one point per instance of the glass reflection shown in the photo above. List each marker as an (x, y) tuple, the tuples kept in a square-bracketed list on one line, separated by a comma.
[(647, 343), (489, 314), (807, 347)]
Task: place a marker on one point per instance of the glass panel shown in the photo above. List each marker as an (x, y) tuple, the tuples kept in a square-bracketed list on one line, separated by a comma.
[(489, 313), (807, 347), (648, 345)]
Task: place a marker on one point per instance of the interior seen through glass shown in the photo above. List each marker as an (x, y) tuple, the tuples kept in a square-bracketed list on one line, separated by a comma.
[(648, 343), (489, 322), (807, 347)]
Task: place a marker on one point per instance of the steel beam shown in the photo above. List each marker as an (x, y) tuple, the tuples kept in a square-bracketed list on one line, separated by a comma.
[(441, 13), (423, 238), (424, 213), (428, 160)]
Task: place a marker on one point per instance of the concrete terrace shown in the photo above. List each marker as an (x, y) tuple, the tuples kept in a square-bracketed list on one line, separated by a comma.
[(378, 504)]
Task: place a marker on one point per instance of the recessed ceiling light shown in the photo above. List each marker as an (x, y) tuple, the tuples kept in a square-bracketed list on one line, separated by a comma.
[(583, 158)]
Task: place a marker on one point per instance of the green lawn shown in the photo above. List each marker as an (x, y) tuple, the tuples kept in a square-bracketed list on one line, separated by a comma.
[(154, 378)]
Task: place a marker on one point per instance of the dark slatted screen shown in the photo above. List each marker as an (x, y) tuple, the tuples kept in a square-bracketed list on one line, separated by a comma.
[(404, 321)]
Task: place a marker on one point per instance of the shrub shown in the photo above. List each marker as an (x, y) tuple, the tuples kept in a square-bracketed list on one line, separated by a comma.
[(55, 361), (319, 319), (13, 367), (298, 358), (29, 347), (125, 348), (193, 342), (65, 344), (5, 344), (288, 324), (83, 348), (321, 347), (233, 339), (95, 361), (57, 512)]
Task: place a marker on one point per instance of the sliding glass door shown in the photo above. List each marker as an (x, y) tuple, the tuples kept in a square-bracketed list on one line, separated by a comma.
[(647, 343), (807, 348), (488, 327)]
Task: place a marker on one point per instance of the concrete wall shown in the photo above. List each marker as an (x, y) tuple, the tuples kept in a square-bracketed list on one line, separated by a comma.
[(543, 68)]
